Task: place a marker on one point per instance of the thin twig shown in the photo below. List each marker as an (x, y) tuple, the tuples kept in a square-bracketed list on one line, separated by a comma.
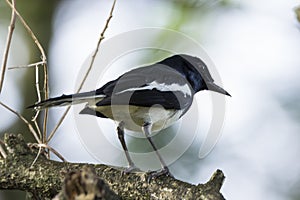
[(88, 70), (44, 60), (46, 96), (37, 87), (2, 152), (27, 66), (97, 47), (7, 47), (36, 157), (45, 146), (31, 129), (37, 128), (58, 124)]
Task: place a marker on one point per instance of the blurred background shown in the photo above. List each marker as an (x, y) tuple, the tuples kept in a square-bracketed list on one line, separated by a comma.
[(254, 45)]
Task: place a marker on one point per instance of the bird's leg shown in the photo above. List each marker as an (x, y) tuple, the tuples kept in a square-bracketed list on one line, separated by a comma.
[(164, 170), (131, 167)]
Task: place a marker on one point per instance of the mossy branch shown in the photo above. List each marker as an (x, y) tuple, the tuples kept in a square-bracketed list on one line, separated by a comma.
[(47, 179)]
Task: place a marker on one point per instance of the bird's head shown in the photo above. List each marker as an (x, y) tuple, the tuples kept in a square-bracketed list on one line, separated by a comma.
[(195, 71)]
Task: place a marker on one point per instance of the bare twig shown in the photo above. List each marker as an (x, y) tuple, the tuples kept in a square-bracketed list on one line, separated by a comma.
[(27, 66), (58, 124), (36, 157), (8, 42), (37, 128), (37, 87), (44, 61), (31, 129), (97, 47), (45, 146), (88, 70), (46, 96)]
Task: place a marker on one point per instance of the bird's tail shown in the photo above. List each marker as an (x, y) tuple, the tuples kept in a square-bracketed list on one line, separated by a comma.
[(65, 100)]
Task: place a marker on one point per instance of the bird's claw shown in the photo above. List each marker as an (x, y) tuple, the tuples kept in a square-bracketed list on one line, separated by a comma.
[(164, 171)]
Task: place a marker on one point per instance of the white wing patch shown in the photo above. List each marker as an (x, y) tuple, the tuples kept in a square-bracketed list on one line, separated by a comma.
[(174, 87)]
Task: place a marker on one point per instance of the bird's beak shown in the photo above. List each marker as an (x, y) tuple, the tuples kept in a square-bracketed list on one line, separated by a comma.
[(213, 87)]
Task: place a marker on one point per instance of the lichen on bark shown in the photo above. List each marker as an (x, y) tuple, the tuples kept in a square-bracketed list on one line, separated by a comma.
[(47, 178)]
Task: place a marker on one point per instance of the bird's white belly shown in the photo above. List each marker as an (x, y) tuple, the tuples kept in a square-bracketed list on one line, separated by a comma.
[(134, 117)]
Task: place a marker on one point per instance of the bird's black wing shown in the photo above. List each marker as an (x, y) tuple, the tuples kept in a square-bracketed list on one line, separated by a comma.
[(148, 86)]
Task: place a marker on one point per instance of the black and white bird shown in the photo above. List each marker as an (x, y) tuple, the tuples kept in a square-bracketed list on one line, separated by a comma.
[(146, 99)]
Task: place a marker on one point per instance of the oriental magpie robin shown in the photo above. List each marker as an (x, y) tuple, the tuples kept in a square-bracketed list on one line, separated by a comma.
[(145, 99)]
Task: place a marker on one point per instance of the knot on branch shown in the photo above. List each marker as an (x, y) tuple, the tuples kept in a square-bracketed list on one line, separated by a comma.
[(85, 184), (15, 145)]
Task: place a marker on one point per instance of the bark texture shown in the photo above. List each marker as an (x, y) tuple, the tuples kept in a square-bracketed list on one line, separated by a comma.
[(47, 179)]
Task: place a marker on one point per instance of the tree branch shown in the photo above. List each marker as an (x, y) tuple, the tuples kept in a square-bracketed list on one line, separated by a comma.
[(44, 179)]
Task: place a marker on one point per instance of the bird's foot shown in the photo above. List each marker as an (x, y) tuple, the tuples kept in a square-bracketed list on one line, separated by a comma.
[(164, 171)]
